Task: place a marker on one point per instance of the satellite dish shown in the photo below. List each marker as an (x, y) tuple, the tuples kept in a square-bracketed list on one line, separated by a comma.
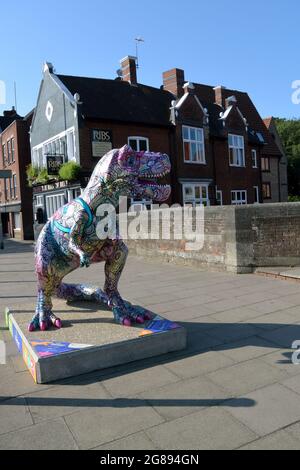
[(119, 72)]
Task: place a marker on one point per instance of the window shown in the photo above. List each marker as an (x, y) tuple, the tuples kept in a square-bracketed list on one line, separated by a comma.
[(236, 150), (11, 188), (4, 154), (193, 145), (219, 197), (139, 144), (6, 182), (254, 158), (266, 190), (256, 194), (9, 151), (12, 149), (39, 201), (194, 193), (238, 198), (53, 203), (14, 186), (138, 206), (17, 220), (265, 164)]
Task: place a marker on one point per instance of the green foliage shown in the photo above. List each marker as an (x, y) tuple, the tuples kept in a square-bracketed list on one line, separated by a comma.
[(294, 198), (289, 132), (69, 171), (32, 173), (42, 177)]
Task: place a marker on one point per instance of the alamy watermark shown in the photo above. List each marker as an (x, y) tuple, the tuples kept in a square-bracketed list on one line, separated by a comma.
[(2, 353), (2, 92), (162, 222), (296, 354), (296, 93)]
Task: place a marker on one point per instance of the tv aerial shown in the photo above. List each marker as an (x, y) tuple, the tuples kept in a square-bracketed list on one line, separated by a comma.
[(138, 41)]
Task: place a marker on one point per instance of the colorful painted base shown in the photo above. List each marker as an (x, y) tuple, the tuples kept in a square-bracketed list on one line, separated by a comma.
[(88, 341)]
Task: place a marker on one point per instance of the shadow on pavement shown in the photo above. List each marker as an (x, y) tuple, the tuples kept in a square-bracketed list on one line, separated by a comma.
[(127, 402)]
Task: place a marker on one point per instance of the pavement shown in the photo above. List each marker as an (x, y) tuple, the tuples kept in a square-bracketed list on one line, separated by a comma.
[(234, 387), (281, 272)]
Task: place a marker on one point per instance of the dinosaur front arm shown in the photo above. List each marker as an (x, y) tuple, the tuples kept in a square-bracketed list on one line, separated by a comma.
[(76, 235)]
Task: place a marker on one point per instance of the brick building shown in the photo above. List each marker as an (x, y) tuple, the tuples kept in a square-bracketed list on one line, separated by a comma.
[(214, 136), (15, 196), (274, 169)]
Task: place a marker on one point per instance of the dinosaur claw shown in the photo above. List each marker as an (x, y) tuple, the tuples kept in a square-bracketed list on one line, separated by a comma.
[(31, 327), (58, 323), (140, 319), (43, 326), (127, 321), (147, 316)]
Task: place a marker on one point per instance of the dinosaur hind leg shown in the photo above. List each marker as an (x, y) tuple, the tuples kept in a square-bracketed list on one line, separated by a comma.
[(44, 317), (73, 292)]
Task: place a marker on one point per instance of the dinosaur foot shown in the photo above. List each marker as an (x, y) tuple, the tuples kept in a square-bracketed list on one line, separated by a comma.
[(137, 313), (45, 323), (129, 314)]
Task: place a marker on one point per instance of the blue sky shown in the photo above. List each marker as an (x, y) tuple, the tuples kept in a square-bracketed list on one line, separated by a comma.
[(251, 46)]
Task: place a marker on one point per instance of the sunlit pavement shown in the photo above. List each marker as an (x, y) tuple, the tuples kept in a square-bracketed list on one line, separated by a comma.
[(234, 387)]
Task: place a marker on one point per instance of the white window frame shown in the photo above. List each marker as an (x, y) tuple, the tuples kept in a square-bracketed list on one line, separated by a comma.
[(256, 192), (254, 158), (14, 185), (239, 201), (236, 143), (193, 199), (139, 139), (199, 143), (42, 146), (54, 202), (39, 201), (220, 193)]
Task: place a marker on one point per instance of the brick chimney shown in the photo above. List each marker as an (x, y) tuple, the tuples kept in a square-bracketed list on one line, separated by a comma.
[(219, 95), (10, 113), (173, 81), (128, 68)]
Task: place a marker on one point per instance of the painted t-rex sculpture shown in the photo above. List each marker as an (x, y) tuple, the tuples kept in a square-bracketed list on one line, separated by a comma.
[(69, 239)]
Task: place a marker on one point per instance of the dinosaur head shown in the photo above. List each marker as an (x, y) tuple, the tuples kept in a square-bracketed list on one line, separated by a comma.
[(132, 174)]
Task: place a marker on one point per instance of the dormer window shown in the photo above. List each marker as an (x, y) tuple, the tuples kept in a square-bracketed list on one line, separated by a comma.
[(236, 150), (193, 145)]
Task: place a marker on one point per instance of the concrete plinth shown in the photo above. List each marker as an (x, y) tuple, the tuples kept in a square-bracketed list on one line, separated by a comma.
[(88, 341)]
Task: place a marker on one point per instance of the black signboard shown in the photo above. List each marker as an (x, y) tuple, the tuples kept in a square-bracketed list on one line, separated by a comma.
[(101, 142), (54, 162)]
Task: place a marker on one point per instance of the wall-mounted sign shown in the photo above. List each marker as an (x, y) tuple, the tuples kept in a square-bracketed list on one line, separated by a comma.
[(101, 142), (54, 162)]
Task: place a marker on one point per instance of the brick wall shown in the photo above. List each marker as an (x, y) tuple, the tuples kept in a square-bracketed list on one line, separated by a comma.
[(236, 239)]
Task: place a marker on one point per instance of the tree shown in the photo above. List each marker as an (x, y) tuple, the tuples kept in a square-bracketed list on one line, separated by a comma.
[(289, 132)]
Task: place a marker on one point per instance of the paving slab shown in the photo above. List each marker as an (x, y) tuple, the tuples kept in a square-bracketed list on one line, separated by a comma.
[(89, 340), (205, 430), (121, 418), (51, 435), (137, 441), (280, 440), (246, 376), (275, 407)]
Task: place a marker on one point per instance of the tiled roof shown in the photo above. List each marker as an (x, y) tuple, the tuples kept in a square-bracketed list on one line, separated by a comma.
[(121, 101)]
